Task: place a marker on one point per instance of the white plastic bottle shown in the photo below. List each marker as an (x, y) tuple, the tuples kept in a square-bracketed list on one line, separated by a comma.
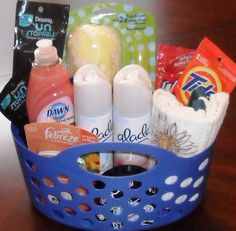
[(132, 103), (93, 107)]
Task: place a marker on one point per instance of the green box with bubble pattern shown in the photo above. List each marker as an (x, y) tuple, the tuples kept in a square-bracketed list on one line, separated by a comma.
[(136, 27)]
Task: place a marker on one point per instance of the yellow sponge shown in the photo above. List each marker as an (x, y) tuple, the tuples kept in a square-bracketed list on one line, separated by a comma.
[(94, 44)]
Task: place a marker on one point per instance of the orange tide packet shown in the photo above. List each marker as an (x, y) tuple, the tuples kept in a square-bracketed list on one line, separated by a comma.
[(48, 139), (209, 69)]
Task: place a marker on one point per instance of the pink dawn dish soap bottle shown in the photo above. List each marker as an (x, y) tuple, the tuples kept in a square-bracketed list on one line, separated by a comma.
[(50, 95)]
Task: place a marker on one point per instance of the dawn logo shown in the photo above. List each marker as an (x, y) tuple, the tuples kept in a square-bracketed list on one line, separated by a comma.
[(58, 111)]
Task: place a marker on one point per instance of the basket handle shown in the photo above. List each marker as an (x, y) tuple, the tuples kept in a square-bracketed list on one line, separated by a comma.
[(71, 154)]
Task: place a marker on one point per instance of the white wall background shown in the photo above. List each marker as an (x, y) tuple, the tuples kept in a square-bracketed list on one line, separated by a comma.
[(7, 22), (7, 17)]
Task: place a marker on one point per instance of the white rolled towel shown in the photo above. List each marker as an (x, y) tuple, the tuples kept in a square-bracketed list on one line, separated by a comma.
[(183, 130)]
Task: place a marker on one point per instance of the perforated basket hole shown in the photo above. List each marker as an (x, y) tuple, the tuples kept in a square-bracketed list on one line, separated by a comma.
[(101, 217), (117, 225), (133, 162), (185, 183), (36, 182), (134, 201), (147, 222), (171, 180), (181, 199), (30, 165), (194, 197), (70, 211), (198, 182), (63, 179), (116, 210), (117, 194), (98, 184), (84, 207), (149, 208), (203, 165), (41, 199), (132, 217), (86, 223), (152, 191), (164, 212), (48, 182), (53, 199), (82, 191), (135, 184), (167, 196), (66, 196), (58, 214), (100, 201)]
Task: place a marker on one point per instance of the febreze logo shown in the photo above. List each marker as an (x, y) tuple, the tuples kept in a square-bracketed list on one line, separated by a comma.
[(58, 111), (197, 77), (63, 135)]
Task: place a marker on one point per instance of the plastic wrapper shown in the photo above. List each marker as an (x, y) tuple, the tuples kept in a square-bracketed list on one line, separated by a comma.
[(171, 62), (111, 36), (209, 69)]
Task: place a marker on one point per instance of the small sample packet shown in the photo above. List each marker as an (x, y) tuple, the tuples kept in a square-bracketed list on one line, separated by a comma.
[(111, 36), (48, 139), (33, 21), (209, 69), (171, 62)]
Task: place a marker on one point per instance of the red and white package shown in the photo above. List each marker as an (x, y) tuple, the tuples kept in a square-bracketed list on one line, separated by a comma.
[(171, 62)]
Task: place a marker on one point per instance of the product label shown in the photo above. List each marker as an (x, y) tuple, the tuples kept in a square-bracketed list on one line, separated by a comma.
[(44, 138), (135, 21), (210, 69), (42, 27), (203, 77), (59, 111), (15, 98), (131, 130), (99, 126)]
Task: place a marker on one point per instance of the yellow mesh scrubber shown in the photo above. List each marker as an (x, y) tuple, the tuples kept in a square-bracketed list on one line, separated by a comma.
[(94, 44)]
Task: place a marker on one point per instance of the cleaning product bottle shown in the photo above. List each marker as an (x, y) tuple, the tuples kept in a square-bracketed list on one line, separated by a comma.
[(132, 103), (50, 92), (93, 106)]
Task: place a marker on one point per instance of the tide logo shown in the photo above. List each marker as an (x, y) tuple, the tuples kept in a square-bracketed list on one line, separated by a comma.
[(203, 77)]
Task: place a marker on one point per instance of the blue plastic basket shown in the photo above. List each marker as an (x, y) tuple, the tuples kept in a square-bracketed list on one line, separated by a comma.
[(75, 197)]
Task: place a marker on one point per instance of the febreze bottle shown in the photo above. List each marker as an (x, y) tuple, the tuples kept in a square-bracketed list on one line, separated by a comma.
[(50, 92), (93, 106), (132, 103)]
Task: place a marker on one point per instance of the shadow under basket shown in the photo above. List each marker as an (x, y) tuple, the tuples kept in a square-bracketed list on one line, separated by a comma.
[(70, 195)]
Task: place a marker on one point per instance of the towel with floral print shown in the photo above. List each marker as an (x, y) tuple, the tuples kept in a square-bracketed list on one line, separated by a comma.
[(183, 130)]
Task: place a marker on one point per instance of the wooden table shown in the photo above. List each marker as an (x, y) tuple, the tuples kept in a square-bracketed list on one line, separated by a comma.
[(182, 23)]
